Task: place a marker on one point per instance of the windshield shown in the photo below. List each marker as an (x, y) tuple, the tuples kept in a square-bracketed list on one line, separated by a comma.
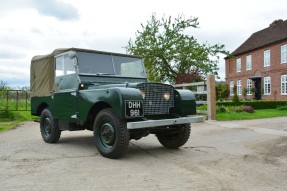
[(107, 64)]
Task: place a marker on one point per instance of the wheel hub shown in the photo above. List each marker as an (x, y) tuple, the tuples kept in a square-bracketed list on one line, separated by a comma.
[(47, 126), (107, 134)]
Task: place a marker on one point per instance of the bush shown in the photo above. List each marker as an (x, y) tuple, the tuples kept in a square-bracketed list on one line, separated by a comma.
[(248, 109), (235, 98), (237, 109), (7, 115), (221, 109), (255, 104), (282, 108)]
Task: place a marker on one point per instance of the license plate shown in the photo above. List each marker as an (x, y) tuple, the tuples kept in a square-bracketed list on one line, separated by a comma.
[(134, 109)]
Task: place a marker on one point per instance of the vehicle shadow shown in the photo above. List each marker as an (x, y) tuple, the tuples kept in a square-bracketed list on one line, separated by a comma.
[(139, 148)]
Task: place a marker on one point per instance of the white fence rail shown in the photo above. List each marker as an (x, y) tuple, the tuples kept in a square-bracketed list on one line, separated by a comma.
[(209, 91)]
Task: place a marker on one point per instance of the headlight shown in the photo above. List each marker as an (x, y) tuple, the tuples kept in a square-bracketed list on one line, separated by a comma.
[(143, 94), (166, 96)]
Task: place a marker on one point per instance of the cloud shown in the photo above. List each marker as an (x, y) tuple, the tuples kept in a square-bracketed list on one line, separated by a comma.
[(57, 9), (6, 54)]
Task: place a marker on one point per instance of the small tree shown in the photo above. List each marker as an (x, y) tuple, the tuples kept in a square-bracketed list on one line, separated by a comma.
[(235, 97), (222, 91), (169, 52), (244, 92)]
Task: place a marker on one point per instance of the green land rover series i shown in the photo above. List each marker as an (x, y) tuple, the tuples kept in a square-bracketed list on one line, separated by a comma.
[(107, 93)]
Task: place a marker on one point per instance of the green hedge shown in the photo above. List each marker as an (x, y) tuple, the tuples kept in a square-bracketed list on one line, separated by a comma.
[(255, 104)]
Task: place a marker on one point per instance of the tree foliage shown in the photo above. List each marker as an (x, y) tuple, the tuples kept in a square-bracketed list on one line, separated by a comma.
[(169, 52), (3, 85), (222, 91)]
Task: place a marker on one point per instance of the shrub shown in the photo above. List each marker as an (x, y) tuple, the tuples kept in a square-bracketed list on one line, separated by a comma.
[(248, 109), (262, 104), (235, 98), (6, 114), (237, 109), (221, 109), (282, 108)]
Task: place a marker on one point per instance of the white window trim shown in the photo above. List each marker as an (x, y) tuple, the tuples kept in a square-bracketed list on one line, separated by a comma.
[(249, 92), (285, 82), (284, 54), (231, 88), (267, 80), (238, 65), (239, 87), (267, 61), (249, 62)]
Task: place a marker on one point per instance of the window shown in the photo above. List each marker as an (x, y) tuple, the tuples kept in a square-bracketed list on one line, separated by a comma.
[(266, 58), (238, 65), (248, 62), (249, 87), (267, 85), (284, 84), (64, 65), (239, 92), (231, 87), (284, 53)]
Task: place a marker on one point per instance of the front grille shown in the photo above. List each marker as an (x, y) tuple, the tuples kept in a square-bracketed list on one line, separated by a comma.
[(154, 102)]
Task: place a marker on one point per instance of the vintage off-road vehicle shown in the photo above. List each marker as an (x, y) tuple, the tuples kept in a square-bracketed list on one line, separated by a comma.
[(107, 93)]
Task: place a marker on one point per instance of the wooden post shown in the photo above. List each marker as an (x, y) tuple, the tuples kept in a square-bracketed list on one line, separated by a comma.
[(211, 97)]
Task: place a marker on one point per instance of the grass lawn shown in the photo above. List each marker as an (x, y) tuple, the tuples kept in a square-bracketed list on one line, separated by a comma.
[(11, 119), (259, 114)]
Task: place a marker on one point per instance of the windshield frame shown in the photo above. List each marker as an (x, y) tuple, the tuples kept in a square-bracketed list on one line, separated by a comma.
[(109, 64)]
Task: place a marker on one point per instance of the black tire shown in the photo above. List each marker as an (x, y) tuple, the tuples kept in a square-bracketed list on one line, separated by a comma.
[(111, 134), (175, 138), (49, 127)]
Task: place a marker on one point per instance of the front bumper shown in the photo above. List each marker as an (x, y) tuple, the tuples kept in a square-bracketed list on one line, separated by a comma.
[(164, 122)]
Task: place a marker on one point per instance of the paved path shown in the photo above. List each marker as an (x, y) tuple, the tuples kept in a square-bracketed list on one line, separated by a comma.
[(232, 155)]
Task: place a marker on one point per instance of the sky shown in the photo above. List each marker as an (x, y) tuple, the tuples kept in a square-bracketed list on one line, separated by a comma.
[(37, 27)]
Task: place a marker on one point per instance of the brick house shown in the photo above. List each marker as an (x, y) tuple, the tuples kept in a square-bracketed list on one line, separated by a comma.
[(258, 67)]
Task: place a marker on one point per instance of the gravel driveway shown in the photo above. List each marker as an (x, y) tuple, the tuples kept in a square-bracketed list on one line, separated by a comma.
[(233, 155)]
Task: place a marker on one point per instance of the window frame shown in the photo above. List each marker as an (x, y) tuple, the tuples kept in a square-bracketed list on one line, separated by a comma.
[(249, 62), (231, 88), (284, 54), (267, 85), (284, 83), (267, 58), (238, 65), (239, 87), (249, 86)]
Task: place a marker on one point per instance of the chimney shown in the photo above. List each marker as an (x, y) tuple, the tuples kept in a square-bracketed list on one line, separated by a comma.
[(275, 22)]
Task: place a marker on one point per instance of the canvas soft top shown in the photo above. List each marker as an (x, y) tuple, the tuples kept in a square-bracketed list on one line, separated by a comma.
[(42, 70)]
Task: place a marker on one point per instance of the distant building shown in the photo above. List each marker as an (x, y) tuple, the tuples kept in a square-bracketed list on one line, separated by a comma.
[(258, 67)]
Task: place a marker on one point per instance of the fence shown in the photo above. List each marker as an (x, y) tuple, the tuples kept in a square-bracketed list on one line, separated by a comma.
[(207, 89), (14, 100)]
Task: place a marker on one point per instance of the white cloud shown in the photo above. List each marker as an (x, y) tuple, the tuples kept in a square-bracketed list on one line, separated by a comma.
[(33, 27)]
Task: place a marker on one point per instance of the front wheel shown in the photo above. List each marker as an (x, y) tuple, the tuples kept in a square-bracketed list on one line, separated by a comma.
[(49, 127), (111, 134), (174, 137)]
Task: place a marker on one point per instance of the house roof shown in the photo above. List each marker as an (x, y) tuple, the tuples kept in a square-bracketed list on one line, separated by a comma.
[(277, 31)]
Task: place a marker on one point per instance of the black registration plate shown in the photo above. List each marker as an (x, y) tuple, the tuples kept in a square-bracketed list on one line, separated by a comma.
[(134, 109)]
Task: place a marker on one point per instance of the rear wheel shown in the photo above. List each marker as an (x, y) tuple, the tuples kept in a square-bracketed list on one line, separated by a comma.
[(111, 134), (174, 137), (49, 127)]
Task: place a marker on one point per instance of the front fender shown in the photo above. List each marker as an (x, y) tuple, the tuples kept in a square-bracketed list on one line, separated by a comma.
[(184, 103), (115, 97)]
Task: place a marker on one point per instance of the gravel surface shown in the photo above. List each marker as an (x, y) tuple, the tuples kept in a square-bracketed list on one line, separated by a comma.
[(232, 155)]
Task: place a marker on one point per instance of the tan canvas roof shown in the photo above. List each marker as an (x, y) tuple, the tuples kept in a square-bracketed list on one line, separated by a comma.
[(42, 74), (42, 71)]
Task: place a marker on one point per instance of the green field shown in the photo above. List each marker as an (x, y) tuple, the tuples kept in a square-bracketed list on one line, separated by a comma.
[(258, 114), (11, 119)]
